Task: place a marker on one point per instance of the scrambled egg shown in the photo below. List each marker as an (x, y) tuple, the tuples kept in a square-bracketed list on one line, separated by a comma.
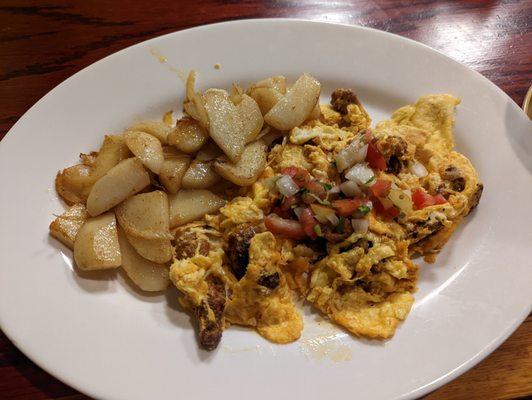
[(365, 282)]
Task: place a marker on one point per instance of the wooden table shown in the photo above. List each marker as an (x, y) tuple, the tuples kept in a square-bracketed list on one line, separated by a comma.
[(44, 42)]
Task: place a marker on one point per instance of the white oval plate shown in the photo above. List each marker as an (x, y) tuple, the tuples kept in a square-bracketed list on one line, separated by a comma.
[(101, 337)]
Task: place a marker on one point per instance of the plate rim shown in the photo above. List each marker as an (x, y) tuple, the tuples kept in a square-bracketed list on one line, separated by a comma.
[(418, 392)]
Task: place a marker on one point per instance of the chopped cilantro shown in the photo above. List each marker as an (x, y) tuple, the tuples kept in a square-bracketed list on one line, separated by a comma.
[(302, 191), (317, 229), (340, 227), (327, 186), (364, 209)]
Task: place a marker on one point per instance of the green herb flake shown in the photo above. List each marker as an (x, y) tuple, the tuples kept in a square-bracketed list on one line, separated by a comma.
[(317, 229), (370, 180), (364, 209), (340, 227), (327, 186)]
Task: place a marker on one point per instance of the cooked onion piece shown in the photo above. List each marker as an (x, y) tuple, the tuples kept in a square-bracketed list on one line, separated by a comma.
[(113, 150), (172, 172), (277, 82), (125, 179), (188, 135), (295, 107), (66, 226), (147, 148), (226, 127), (192, 204), (147, 275), (200, 175), (96, 245), (248, 169)]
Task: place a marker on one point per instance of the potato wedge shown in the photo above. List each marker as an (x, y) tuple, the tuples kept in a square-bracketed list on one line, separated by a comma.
[(156, 250), (74, 183), (192, 204), (96, 244), (296, 105), (145, 215), (65, 227), (113, 150), (125, 179), (88, 159), (226, 127), (251, 117), (188, 135), (265, 98), (172, 172), (277, 82), (158, 129), (146, 148), (200, 175), (248, 169), (145, 274)]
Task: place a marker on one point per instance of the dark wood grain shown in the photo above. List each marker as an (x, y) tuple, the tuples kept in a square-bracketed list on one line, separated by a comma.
[(42, 43)]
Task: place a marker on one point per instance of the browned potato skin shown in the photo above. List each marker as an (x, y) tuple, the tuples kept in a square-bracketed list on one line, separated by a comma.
[(188, 135)]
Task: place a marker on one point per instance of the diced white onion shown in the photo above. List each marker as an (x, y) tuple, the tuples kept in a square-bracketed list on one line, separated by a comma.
[(419, 170), (360, 225), (334, 190), (298, 211), (333, 219), (352, 154), (360, 173), (350, 188), (287, 186)]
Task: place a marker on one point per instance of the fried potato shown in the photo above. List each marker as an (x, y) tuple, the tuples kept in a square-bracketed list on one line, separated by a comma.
[(155, 250), (200, 175), (96, 245), (251, 117), (192, 204), (226, 127), (277, 82), (125, 179), (65, 227), (188, 135), (73, 184), (295, 107), (209, 152), (146, 148), (172, 172), (248, 169), (265, 98), (160, 130), (145, 215), (113, 150), (147, 275)]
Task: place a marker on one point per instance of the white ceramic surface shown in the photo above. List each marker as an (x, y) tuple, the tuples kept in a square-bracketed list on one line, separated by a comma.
[(104, 339)]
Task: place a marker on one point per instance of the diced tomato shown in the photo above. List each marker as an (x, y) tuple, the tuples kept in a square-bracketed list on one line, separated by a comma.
[(309, 222), (381, 188), (288, 202), (379, 208), (316, 188), (285, 227), (283, 213), (422, 199), (346, 207), (298, 174), (375, 158)]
